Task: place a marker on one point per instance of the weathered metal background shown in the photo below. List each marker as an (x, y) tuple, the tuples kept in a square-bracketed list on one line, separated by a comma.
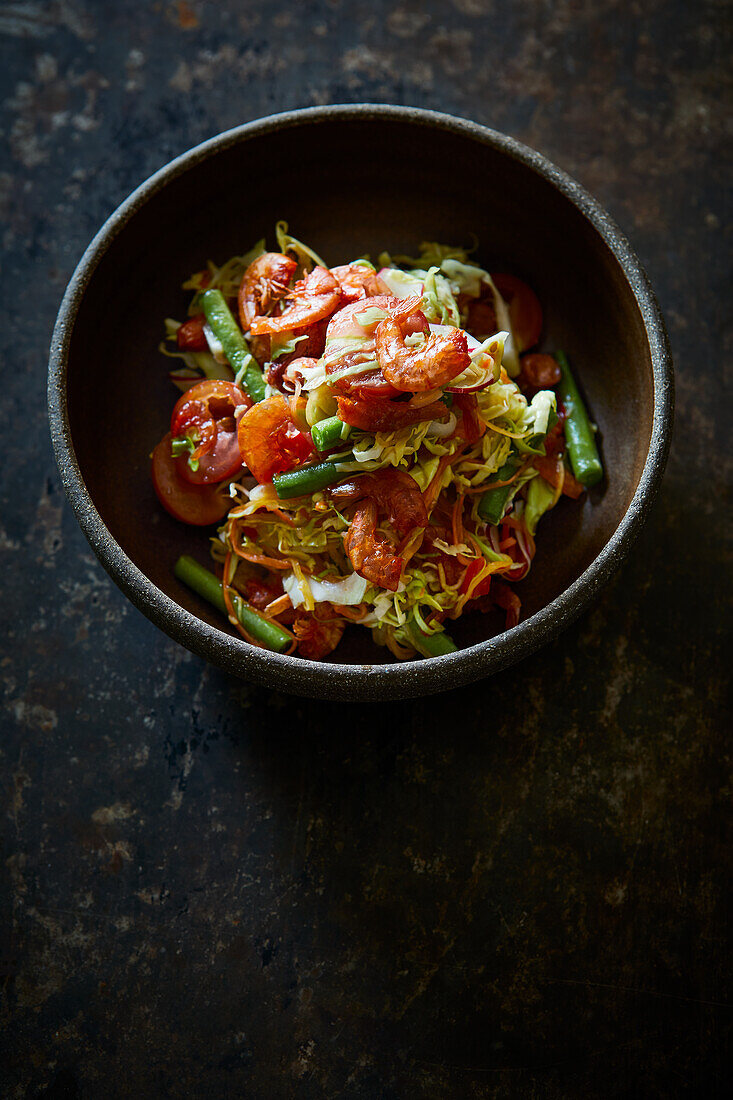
[(512, 890)]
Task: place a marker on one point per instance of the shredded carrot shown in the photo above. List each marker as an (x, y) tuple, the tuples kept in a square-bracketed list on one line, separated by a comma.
[(271, 509), (262, 559), (277, 606), (403, 653), (503, 431), (432, 492), (497, 484), (283, 516)]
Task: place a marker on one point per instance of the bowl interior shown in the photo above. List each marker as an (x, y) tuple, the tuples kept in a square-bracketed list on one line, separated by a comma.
[(350, 187)]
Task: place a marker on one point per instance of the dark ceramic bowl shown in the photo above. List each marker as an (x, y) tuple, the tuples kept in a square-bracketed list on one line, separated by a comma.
[(351, 180)]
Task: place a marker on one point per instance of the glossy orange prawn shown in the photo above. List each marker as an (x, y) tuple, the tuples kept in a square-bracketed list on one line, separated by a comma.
[(317, 637), (266, 281), (350, 340), (375, 414), (427, 366), (358, 282), (313, 297), (392, 492), (372, 557), (270, 441)]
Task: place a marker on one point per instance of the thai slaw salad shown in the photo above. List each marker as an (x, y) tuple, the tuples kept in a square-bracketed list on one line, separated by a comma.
[(375, 443)]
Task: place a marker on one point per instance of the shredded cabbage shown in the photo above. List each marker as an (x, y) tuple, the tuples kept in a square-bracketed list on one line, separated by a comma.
[(540, 498), (307, 258), (348, 592), (402, 284), (538, 413), (284, 343)]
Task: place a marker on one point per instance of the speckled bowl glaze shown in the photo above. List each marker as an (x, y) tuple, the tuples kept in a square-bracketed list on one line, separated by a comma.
[(351, 180)]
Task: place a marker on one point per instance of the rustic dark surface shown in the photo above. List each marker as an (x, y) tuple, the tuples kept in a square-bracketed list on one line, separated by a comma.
[(517, 889)]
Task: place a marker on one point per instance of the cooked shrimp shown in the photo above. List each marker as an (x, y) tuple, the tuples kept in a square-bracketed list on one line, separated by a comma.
[(360, 320), (312, 298), (372, 557), (350, 340), (317, 637), (270, 440), (358, 282), (375, 414), (427, 366), (398, 495), (394, 491), (265, 282)]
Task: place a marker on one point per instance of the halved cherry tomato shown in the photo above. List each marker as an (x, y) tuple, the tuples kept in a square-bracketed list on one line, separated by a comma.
[(190, 336), (539, 371), (205, 413), (525, 311), (197, 505), (270, 442)]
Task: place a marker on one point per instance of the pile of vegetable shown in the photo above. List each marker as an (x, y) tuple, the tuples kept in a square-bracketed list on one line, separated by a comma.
[(375, 443)]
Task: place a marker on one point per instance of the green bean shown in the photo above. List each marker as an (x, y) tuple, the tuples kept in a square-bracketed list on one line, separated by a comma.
[(209, 586), (431, 645), (493, 502), (201, 580), (260, 628), (328, 433), (306, 480), (225, 328), (579, 436)]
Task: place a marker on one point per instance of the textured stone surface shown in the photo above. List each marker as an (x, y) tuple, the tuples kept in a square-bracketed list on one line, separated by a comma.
[(516, 889)]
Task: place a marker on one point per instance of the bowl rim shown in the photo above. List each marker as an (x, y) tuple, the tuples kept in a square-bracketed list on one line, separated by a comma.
[(363, 681)]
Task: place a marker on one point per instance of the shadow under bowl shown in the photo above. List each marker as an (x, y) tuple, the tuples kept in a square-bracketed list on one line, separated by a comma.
[(350, 181)]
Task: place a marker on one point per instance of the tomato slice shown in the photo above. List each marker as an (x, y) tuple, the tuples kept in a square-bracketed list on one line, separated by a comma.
[(199, 506), (190, 336), (270, 442), (525, 311), (539, 371), (205, 415)]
